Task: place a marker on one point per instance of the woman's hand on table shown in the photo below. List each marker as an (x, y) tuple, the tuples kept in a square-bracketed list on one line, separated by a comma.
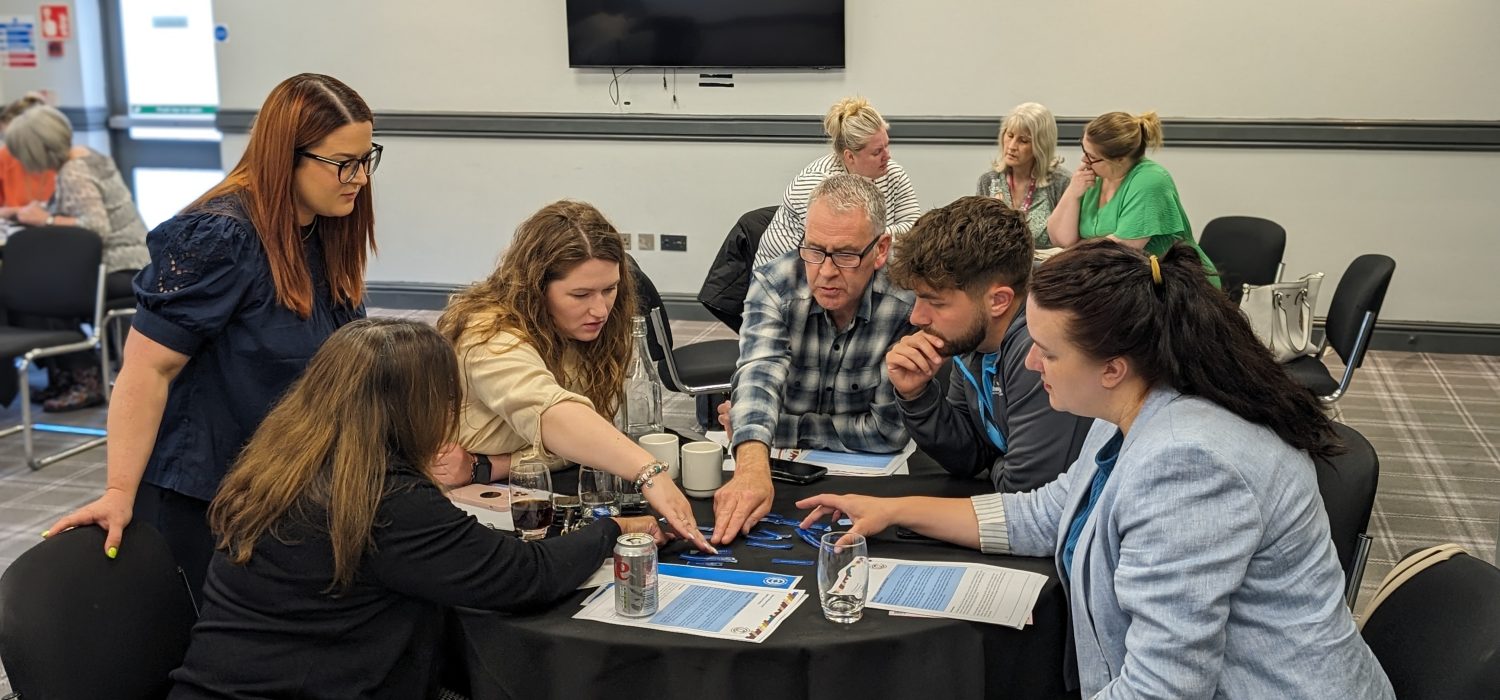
[(668, 502), (643, 524), (32, 215), (871, 515), (453, 467)]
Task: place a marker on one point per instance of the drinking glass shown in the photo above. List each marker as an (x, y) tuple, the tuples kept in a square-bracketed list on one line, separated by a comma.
[(843, 575), (531, 498), (568, 512), (599, 491)]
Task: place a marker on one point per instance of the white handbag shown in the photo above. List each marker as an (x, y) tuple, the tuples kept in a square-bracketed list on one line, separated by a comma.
[(1281, 315)]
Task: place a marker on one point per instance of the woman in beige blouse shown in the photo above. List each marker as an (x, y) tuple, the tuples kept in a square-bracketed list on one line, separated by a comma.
[(543, 344)]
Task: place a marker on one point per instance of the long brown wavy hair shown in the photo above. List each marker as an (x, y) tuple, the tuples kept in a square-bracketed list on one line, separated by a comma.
[(379, 393), (1182, 333), (301, 111), (547, 246)]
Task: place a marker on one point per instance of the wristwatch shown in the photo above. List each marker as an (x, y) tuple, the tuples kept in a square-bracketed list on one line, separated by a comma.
[(51, 218), (481, 468)]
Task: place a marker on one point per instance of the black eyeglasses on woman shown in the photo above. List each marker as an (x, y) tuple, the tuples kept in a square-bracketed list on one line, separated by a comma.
[(348, 168)]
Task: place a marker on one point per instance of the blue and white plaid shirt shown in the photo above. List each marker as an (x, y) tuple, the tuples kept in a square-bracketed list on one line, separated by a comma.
[(803, 383)]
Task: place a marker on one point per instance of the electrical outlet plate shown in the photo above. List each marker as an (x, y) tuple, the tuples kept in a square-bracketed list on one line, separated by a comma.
[(670, 242), (645, 241)]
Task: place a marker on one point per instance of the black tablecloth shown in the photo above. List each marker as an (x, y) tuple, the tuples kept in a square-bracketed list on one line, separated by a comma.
[(550, 654)]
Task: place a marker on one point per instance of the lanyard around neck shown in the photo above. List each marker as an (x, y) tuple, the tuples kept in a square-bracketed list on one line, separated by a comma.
[(986, 392)]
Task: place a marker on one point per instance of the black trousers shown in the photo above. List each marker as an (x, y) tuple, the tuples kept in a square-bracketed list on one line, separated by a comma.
[(183, 521)]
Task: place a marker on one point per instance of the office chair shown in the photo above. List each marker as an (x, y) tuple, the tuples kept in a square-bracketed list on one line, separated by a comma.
[(1350, 325), (1435, 627), (1245, 249), (77, 625)]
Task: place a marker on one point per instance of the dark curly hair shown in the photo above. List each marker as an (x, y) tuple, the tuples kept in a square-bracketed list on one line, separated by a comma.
[(969, 244)]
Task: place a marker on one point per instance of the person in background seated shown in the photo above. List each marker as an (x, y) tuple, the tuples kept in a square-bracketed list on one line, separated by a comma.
[(338, 551), (18, 187), (1190, 535), (243, 287), (90, 194), (1118, 193), (861, 146), (543, 345), (968, 264), (817, 324), (1028, 174)]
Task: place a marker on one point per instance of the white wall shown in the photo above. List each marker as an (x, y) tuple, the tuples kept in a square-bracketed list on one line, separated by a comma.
[(446, 206), (74, 80)]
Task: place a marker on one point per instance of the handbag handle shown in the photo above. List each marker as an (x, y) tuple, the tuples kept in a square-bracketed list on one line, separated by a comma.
[(1307, 313)]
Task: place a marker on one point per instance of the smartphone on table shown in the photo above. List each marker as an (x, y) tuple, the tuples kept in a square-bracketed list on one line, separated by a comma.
[(796, 472)]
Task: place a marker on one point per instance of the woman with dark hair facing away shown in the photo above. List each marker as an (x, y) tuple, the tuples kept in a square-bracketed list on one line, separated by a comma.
[(338, 550), (242, 288), (543, 346), (89, 194), (1189, 534), (1119, 193)]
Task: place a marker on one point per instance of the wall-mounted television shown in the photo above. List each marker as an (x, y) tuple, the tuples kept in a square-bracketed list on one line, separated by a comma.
[(706, 33)]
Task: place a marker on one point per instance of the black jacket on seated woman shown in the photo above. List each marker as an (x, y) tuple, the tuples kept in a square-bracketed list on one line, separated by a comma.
[(339, 553)]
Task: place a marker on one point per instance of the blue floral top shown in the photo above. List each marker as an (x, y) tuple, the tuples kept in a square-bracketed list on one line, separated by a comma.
[(208, 294)]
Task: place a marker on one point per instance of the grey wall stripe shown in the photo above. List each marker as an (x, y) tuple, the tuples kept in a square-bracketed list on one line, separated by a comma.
[(86, 118), (1203, 133), (1410, 336)]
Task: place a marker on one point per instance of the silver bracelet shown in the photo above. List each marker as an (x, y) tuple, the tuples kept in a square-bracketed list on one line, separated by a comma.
[(647, 473)]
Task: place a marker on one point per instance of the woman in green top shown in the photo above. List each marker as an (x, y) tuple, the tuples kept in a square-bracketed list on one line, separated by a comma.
[(1117, 192)]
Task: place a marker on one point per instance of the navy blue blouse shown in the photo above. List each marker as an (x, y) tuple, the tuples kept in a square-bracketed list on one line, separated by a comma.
[(208, 294)]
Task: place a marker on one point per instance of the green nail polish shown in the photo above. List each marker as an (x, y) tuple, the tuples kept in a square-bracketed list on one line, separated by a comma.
[(46, 532), (112, 552)]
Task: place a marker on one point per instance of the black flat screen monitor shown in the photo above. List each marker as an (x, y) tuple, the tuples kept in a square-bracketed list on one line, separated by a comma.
[(706, 33)]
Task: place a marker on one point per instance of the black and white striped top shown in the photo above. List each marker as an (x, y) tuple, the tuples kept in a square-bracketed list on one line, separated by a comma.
[(790, 223)]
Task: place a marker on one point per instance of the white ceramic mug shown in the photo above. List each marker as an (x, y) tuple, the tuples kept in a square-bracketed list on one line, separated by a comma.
[(663, 446), (702, 468)]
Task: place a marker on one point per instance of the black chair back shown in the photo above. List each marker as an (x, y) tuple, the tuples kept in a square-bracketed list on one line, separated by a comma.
[(1245, 249), (1438, 634), (51, 271), (728, 281), (647, 297), (1361, 289), (1347, 484), (75, 624)]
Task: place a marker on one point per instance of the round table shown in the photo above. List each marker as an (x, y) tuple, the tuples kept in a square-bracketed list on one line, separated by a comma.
[(550, 654)]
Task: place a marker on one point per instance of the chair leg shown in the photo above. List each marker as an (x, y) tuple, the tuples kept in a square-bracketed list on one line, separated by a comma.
[(1357, 570), (27, 427)]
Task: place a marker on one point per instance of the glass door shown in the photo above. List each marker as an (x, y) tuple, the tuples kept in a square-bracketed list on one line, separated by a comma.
[(164, 95)]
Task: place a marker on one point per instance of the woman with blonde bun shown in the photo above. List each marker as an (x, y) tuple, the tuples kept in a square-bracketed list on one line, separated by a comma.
[(861, 145), (1118, 193), (1028, 174)]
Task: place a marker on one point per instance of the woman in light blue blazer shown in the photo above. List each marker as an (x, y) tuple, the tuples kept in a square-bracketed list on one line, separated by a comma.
[(1189, 535)]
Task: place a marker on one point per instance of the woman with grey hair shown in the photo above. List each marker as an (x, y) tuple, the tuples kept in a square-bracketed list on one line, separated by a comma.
[(857, 134), (90, 194), (1028, 174)]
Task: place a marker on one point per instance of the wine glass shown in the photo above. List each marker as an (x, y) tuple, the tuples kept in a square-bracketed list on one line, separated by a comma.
[(531, 498)]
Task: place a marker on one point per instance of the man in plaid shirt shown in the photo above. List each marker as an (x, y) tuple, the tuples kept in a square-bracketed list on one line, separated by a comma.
[(818, 323)]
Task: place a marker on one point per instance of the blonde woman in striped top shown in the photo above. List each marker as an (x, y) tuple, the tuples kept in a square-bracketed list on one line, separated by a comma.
[(861, 146)]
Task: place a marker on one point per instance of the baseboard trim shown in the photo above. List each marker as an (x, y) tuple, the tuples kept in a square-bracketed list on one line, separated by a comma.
[(1408, 336)]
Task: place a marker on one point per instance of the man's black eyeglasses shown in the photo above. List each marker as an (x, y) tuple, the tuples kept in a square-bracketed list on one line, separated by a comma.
[(816, 256), (348, 168)]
